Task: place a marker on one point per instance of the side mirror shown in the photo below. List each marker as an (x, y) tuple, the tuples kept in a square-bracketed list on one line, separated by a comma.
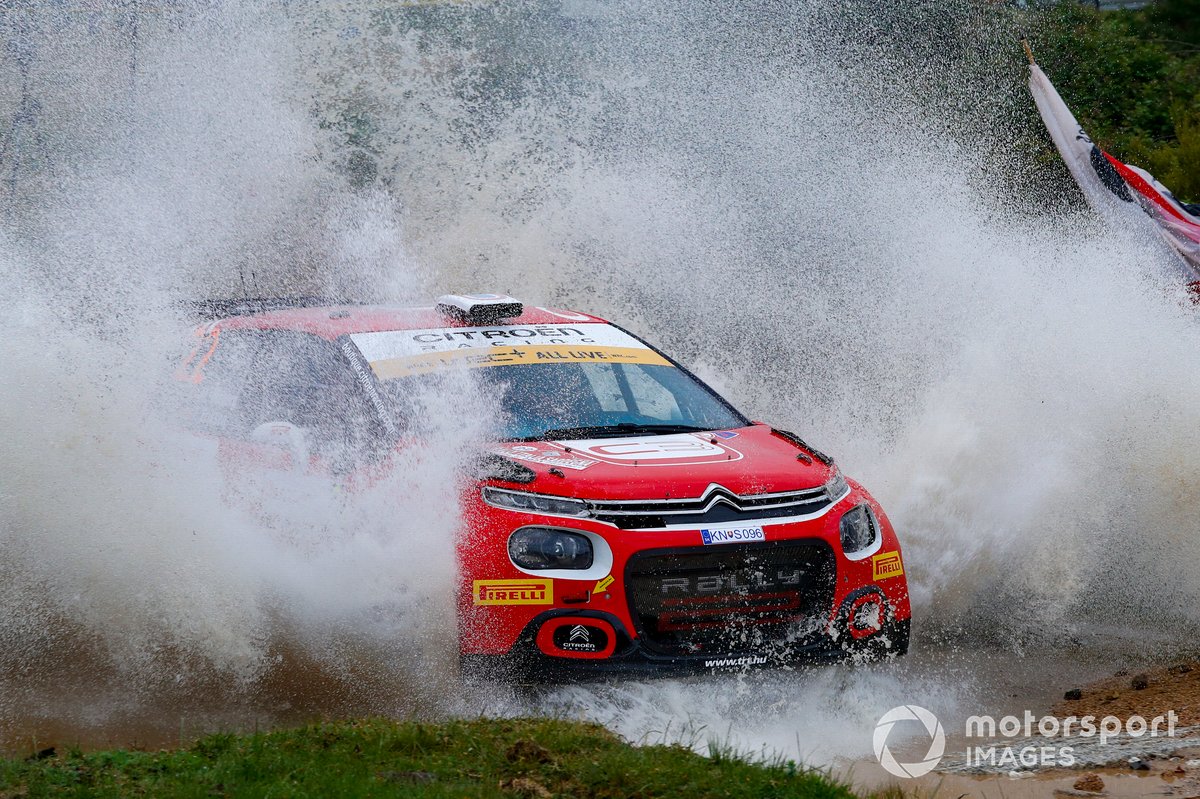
[(288, 439)]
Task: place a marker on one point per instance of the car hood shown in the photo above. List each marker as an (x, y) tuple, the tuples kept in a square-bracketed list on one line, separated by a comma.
[(746, 461)]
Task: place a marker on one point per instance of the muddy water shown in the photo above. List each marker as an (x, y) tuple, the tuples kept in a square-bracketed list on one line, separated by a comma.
[(838, 219)]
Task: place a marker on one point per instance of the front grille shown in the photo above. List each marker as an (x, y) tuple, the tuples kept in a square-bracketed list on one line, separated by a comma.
[(731, 598), (715, 506)]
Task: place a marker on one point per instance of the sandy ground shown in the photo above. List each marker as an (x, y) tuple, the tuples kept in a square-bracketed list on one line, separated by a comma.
[(1175, 687), (1167, 777), (1169, 767)]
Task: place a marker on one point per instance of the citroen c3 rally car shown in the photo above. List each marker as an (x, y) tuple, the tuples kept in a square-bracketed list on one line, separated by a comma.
[(626, 518)]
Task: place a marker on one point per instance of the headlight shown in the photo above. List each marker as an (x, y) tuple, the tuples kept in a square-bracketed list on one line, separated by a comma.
[(836, 487), (534, 503), (859, 529), (546, 548)]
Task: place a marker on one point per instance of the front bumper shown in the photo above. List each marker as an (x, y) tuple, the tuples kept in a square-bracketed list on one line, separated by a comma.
[(630, 658)]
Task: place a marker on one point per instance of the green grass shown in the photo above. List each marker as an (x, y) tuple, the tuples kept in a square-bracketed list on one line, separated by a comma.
[(1132, 77), (480, 758)]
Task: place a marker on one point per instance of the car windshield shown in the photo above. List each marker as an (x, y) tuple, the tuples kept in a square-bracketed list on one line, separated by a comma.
[(581, 380), (579, 400)]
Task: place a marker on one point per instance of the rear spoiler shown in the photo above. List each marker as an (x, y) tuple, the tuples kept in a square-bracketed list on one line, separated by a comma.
[(213, 310)]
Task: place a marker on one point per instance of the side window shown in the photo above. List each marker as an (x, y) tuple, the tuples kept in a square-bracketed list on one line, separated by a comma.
[(216, 371), (295, 380), (603, 378), (254, 377), (652, 398), (191, 369)]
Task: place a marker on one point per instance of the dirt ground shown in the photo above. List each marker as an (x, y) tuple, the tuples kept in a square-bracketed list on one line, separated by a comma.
[(1175, 687), (1174, 771), (1167, 777)]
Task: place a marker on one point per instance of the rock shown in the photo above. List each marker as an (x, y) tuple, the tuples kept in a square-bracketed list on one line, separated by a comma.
[(1090, 782), (1073, 695), (1122, 673), (526, 787), (43, 754), (528, 751), (414, 777), (1140, 683), (1137, 764), (1179, 669)]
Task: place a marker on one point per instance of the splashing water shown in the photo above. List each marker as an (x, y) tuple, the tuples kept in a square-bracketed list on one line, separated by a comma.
[(827, 213)]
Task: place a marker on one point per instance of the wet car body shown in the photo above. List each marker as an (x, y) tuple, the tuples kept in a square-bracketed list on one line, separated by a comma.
[(625, 520)]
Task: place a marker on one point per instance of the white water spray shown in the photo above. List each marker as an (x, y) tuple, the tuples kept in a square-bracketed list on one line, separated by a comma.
[(808, 215)]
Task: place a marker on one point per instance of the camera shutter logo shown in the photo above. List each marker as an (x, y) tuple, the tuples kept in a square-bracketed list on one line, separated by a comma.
[(937, 742)]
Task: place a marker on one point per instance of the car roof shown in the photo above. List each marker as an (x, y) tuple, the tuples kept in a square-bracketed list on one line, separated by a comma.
[(332, 321)]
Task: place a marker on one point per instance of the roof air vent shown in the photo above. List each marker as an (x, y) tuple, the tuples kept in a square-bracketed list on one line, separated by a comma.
[(479, 309)]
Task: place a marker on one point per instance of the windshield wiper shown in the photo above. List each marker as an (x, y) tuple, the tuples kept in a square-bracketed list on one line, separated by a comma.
[(613, 430)]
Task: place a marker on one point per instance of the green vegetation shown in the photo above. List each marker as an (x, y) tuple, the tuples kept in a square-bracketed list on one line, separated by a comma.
[(482, 758), (1133, 80)]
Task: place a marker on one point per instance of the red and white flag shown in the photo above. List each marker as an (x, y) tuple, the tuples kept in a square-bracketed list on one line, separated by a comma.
[(1107, 182)]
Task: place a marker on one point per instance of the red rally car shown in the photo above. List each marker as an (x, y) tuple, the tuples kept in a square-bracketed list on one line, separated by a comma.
[(627, 519)]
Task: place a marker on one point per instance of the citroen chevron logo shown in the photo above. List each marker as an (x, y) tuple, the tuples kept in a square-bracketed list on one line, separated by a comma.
[(580, 633), (717, 493)]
